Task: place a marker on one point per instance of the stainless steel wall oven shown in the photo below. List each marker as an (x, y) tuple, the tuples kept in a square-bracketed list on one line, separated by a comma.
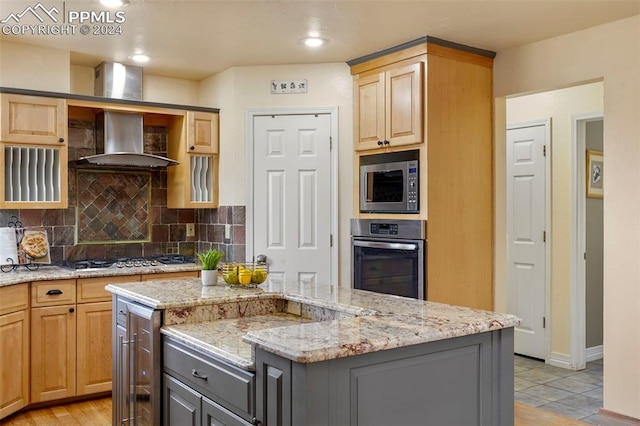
[(389, 256)]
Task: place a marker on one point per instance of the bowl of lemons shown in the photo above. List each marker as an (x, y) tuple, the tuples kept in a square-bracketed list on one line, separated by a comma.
[(244, 274)]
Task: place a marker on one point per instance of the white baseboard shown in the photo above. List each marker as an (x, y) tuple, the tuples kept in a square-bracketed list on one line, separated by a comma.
[(560, 360), (594, 353)]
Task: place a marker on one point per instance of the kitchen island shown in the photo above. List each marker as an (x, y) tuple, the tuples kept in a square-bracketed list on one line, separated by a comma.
[(300, 354)]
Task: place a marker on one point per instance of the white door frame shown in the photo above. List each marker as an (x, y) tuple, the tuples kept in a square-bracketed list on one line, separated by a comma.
[(333, 112), (578, 240), (548, 227)]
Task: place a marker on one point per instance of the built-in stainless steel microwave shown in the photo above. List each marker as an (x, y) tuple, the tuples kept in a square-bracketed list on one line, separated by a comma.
[(390, 187)]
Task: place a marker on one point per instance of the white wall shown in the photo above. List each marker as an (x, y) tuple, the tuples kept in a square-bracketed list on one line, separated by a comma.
[(37, 68), (559, 105), (242, 88), (610, 52)]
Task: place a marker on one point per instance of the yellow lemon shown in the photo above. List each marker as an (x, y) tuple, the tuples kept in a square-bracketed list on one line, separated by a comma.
[(244, 277), (258, 276)]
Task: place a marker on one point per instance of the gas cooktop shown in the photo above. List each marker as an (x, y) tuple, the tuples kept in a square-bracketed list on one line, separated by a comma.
[(128, 262)]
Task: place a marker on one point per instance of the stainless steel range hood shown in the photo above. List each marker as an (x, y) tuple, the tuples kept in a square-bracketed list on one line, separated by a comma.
[(119, 135), (122, 144)]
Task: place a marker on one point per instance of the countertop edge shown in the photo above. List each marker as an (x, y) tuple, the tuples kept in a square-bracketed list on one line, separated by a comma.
[(52, 272)]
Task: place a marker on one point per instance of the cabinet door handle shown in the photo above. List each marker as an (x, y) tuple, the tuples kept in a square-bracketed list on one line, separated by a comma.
[(71, 310), (386, 142), (197, 375), (54, 292), (61, 140), (255, 421), (379, 143), (121, 312), (192, 147)]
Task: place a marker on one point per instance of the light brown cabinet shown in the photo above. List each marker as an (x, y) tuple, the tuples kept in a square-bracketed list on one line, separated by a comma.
[(94, 348), (202, 132), (71, 337), (53, 353), (14, 348), (33, 152), (33, 120), (456, 156), (194, 182), (388, 107), (53, 340)]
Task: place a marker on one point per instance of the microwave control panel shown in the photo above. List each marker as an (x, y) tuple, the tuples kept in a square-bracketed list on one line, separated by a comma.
[(412, 186)]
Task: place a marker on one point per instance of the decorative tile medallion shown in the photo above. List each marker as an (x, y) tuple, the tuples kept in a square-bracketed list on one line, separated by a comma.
[(113, 207)]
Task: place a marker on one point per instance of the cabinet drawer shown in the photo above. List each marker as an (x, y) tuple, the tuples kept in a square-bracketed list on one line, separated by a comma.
[(52, 293), (215, 414), (92, 289), (225, 384), (14, 298)]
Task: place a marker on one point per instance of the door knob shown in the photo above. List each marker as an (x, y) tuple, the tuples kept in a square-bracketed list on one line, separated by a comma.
[(261, 259)]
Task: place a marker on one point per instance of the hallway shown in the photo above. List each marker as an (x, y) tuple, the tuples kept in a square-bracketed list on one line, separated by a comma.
[(576, 394)]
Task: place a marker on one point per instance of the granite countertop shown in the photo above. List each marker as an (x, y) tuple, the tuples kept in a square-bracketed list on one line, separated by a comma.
[(50, 272), (230, 322)]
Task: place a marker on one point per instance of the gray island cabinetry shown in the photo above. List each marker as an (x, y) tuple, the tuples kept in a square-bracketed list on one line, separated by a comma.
[(289, 354)]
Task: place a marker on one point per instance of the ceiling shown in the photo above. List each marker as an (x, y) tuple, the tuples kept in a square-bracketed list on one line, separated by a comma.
[(196, 39)]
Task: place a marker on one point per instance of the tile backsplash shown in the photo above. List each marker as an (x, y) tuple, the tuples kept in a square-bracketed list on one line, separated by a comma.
[(113, 207), (106, 235)]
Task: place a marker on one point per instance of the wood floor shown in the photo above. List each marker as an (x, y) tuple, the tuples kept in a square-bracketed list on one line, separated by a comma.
[(97, 412)]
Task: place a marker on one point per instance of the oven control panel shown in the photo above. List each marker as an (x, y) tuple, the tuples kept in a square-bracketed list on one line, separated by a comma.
[(389, 229), (383, 229)]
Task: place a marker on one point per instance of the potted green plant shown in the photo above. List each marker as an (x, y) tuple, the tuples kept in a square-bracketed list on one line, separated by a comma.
[(209, 260)]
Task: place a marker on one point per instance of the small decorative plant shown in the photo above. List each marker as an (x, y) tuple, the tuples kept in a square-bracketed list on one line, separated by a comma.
[(210, 259)]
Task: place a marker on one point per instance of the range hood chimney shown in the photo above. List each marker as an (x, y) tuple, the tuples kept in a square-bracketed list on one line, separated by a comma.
[(121, 144)]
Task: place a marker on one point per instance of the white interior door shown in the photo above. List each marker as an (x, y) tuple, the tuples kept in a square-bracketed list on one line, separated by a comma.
[(526, 233), (292, 195)]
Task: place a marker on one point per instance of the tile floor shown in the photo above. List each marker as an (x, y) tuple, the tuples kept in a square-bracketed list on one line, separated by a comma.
[(576, 394)]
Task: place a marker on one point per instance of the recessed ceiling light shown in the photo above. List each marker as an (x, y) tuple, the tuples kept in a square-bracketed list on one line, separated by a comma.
[(139, 57), (114, 3), (314, 41)]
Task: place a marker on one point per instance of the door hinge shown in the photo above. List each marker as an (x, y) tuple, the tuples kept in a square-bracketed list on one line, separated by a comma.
[(544, 322), (330, 240), (330, 143), (544, 236), (544, 150), (585, 255)]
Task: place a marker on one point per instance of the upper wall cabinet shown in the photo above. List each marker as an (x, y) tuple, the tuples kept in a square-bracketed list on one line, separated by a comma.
[(33, 152), (34, 120), (202, 132), (388, 107), (194, 182)]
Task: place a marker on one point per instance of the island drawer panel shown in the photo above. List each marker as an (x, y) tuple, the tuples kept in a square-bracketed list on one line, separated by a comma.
[(53, 293), (229, 386)]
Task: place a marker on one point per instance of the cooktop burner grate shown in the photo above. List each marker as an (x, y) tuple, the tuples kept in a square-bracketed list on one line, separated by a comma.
[(128, 262)]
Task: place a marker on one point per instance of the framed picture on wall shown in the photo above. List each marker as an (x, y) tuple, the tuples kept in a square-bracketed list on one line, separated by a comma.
[(595, 174)]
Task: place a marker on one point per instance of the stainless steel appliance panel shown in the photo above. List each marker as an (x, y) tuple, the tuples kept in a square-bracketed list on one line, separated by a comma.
[(388, 256), (390, 187), (137, 365)]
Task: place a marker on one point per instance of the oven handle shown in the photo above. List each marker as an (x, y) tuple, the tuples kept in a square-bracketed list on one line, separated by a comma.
[(383, 245)]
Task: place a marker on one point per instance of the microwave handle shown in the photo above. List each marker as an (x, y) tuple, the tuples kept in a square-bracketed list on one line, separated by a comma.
[(383, 245)]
